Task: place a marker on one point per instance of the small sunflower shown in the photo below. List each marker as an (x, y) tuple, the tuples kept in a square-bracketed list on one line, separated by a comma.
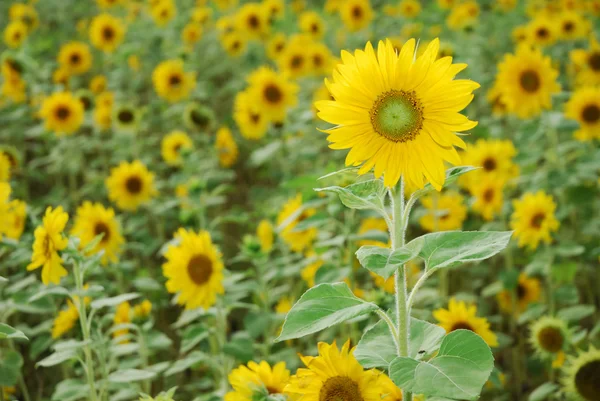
[(549, 337), (276, 45), (542, 31), (5, 191), (581, 379), (108, 3), (126, 118), (272, 93), (294, 61), (445, 212), (25, 13), (15, 34), (409, 8), (98, 84), (293, 213), (249, 117), (130, 185), (584, 107), (460, 316), (587, 64), (257, 380), (528, 82), (122, 316), (106, 32), (264, 232), (275, 9), (49, 240), (572, 25), (198, 117), (142, 309), (65, 320), (533, 219), (93, 219), (171, 82), (334, 375), (75, 57), (320, 57), (194, 269), (63, 113), (191, 34), (171, 146), (86, 98), (163, 12), (234, 44), (252, 21), (403, 122), (495, 157), (226, 147), (489, 198), (105, 99), (312, 24), (201, 15), (528, 291), (15, 219), (356, 14)]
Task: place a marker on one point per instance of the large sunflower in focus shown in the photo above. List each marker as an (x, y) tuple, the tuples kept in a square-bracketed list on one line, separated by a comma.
[(398, 114), (194, 269)]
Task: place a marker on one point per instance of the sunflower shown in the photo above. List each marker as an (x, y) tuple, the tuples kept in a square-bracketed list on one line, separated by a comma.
[(460, 316), (495, 157), (15, 219), (103, 117), (49, 240), (292, 213), (171, 82), (584, 107), (312, 24), (5, 167), (130, 185), (543, 31), (293, 60), (494, 97), (142, 309), (122, 316), (403, 121), (225, 4), (75, 57), (234, 44), (334, 375), (163, 12), (527, 291), (445, 212), (201, 15), (171, 147), (226, 147), (106, 32), (249, 117), (264, 232), (15, 34), (581, 378), (62, 113), (257, 379), (276, 45), (198, 117), (86, 98), (528, 81), (549, 336), (321, 59), (65, 320), (587, 64), (533, 219), (5, 191), (272, 93), (98, 84), (126, 118), (191, 34), (25, 13), (389, 391), (489, 198), (284, 305), (194, 269), (409, 8), (93, 219), (275, 9), (572, 25), (356, 14), (252, 21), (463, 16)]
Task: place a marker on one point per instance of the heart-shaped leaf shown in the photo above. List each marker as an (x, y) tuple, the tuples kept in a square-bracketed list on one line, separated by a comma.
[(383, 261)]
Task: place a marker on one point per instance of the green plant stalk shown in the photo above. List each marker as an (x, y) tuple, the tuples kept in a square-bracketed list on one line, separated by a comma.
[(89, 365)]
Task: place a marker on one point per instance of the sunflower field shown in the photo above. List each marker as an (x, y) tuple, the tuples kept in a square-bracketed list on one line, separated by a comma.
[(300, 200)]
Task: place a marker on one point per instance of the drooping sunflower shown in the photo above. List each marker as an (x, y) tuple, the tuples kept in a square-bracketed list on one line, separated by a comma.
[(459, 315), (495, 157), (528, 81), (533, 219), (106, 32), (334, 375), (549, 336), (528, 291), (172, 82), (312, 24), (62, 112), (272, 92), (194, 269), (93, 219), (249, 117), (584, 107), (49, 240), (264, 232), (257, 379), (402, 122), (445, 212), (130, 185), (587, 64), (171, 146), (15, 34), (252, 21), (75, 57), (292, 213), (356, 14), (581, 378), (489, 197), (226, 147)]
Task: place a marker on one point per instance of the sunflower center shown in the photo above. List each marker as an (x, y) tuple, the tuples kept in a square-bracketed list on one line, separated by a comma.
[(568, 26), (594, 61), (75, 58), (397, 115), (200, 269), (591, 114), (253, 21), (62, 112), (273, 390), (587, 380), (314, 28), (273, 93), (551, 339), (198, 118), (340, 388), (530, 81), (537, 220), (279, 47), (488, 195), (461, 326), (125, 116), (297, 61), (317, 60), (235, 45), (489, 164), (101, 228), (521, 291), (357, 12), (133, 185), (542, 33), (175, 79), (108, 33), (255, 118)]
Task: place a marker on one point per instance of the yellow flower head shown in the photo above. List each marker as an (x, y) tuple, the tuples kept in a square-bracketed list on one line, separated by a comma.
[(459, 315), (98, 84), (264, 232), (257, 378), (252, 21), (5, 167), (445, 212), (489, 197), (272, 93), (533, 219), (171, 82), (234, 44), (284, 305), (49, 240), (194, 269), (15, 34), (75, 57), (276, 45), (191, 34), (587, 64), (356, 14), (584, 107), (291, 214), (130, 185), (249, 117), (65, 320), (15, 219), (542, 31), (403, 122), (528, 291), (142, 309), (293, 60), (226, 147), (312, 24), (370, 224), (495, 157), (62, 113), (106, 32), (549, 336), (171, 146), (122, 316), (163, 12)]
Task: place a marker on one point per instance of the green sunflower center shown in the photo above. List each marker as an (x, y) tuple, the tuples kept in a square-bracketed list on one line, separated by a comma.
[(551, 339), (537, 220), (200, 269), (587, 380), (273, 94), (134, 185), (102, 228), (530, 81), (461, 326), (340, 388), (591, 114), (397, 115), (594, 61)]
